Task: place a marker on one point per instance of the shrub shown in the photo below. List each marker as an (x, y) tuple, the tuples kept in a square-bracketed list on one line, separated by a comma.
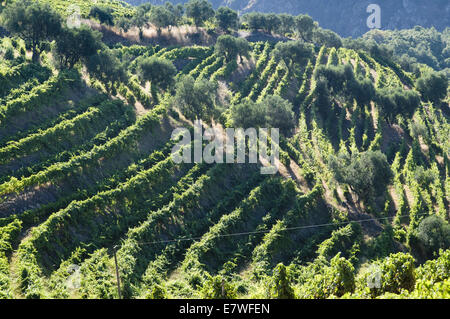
[(157, 292), (195, 99), (432, 86), (398, 273), (273, 111), (281, 283), (432, 235), (218, 288), (366, 173), (9, 53), (397, 101), (103, 14)]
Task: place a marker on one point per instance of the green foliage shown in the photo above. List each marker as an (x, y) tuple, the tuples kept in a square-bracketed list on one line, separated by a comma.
[(8, 234), (432, 86), (436, 270), (140, 18), (323, 279), (79, 173), (218, 288), (106, 67), (397, 273), (161, 17), (366, 173), (432, 278), (160, 72), (8, 53), (65, 130), (227, 18), (157, 292), (305, 27), (113, 146), (432, 235), (74, 45), (414, 46), (382, 245), (34, 22), (195, 98), (199, 10), (293, 52), (268, 22), (280, 283), (327, 38), (272, 111), (39, 94), (231, 47), (96, 277), (397, 101), (19, 75), (103, 14), (341, 80), (342, 240)]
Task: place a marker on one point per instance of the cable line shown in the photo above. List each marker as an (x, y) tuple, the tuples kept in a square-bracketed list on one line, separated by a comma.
[(267, 231), (242, 234)]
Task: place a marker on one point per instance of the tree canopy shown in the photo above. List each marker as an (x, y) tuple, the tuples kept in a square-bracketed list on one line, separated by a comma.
[(103, 14), (305, 26), (199, 10), (74, 45), (161, 17), (160, 72), (272, 112), (432, 86), (366, 173), (227, 18), (267, 22), (432, 235), (106, 67), (196, 99), (34, 22), (231, 47), (293, 52)]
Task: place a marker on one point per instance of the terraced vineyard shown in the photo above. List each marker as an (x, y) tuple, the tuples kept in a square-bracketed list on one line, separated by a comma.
[(86, 171)]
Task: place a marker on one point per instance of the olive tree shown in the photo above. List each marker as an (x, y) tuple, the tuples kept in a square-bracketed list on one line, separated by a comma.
[(271, 112), (227, 18), (106, 67), (160, 72), (366, 173), (231, 47), (199, 10), (305, 26), (293, 52), (432, 86), (196, 99), (103, 14), (161, 17), (74, 45), (34, 22)]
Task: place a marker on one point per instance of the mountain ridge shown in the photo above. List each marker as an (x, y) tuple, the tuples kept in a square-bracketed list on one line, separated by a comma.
[(348, 18)]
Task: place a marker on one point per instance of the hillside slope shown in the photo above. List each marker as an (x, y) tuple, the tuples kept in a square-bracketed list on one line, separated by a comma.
[(347, 17), (358, 208), (84, 176)]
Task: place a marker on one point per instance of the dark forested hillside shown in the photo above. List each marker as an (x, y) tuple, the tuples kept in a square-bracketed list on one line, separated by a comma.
[(358, 206), (347, 17), (417, 45)]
